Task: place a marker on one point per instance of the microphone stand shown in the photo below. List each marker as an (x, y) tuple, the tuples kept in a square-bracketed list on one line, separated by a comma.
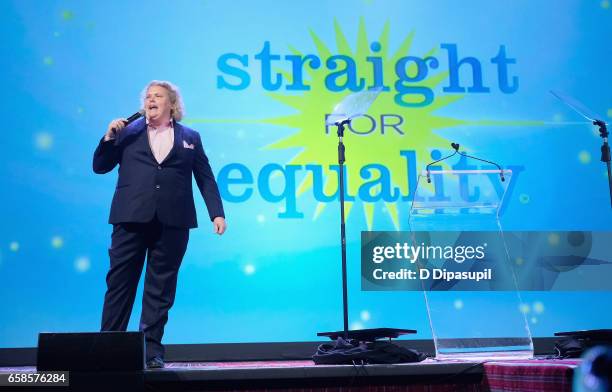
[(368, 334), (605, 151), (341, 159), (352, 106)]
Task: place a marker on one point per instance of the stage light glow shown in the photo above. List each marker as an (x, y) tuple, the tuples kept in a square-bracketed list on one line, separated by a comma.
[(584, 157), (538, 307), (67, 15), (14, 246), (364, 315), (525, 308), (57, 242), (458, 304), (249, 269), (43, 141), (82, 264)]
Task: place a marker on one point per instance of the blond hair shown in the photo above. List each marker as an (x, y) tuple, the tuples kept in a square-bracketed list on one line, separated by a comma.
[(178, 110)]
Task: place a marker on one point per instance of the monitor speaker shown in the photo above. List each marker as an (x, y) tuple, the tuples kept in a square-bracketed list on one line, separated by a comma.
[(91, 351)]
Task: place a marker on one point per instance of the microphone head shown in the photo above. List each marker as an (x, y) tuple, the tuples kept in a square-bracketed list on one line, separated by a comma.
[(455, 146), (135, 116)]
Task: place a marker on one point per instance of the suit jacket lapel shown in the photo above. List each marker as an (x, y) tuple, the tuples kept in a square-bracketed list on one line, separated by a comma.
[(145, 141)]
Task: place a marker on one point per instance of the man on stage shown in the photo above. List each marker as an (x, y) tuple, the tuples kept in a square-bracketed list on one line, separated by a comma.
[(152, 210)]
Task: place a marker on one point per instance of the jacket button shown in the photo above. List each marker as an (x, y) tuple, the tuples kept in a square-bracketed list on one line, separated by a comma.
[(157, 186), (159, 167)]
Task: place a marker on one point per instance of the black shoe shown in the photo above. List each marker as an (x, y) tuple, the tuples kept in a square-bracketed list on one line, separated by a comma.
[(155, 363)]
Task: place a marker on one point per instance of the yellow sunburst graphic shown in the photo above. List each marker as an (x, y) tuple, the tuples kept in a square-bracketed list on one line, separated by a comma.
[(369, 143)]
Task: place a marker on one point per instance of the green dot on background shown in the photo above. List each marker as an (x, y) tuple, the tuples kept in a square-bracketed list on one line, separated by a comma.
[(524, 198), (584, 157), (67, 15)]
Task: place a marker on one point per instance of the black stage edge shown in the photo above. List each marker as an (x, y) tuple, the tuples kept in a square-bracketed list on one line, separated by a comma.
[(225, 352), (456, 376)]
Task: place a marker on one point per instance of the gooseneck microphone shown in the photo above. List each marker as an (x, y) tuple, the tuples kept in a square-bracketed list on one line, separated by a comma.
[(132, 118)]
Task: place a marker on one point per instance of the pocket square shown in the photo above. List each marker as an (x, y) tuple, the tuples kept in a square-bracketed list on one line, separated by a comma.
[(187, 145)]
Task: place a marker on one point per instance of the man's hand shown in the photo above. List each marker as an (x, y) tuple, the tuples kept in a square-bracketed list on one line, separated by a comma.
[(115, 126), (219, 225)]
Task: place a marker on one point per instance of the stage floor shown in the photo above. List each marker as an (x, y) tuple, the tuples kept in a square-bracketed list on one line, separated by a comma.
[(429, 375)]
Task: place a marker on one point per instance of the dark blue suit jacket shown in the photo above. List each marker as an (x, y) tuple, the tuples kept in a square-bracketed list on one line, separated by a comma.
[(145, 188)]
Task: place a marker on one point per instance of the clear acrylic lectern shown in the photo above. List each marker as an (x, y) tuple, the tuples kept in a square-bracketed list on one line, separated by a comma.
[(469, 321)]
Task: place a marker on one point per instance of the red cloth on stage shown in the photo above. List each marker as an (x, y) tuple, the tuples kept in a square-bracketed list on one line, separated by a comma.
[(529, 375)]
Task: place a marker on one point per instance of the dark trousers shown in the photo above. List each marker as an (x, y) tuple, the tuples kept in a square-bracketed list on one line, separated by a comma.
[(164, 248)]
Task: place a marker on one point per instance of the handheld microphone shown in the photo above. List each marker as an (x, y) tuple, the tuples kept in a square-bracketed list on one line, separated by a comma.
[(135, 116), (132, 118)]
